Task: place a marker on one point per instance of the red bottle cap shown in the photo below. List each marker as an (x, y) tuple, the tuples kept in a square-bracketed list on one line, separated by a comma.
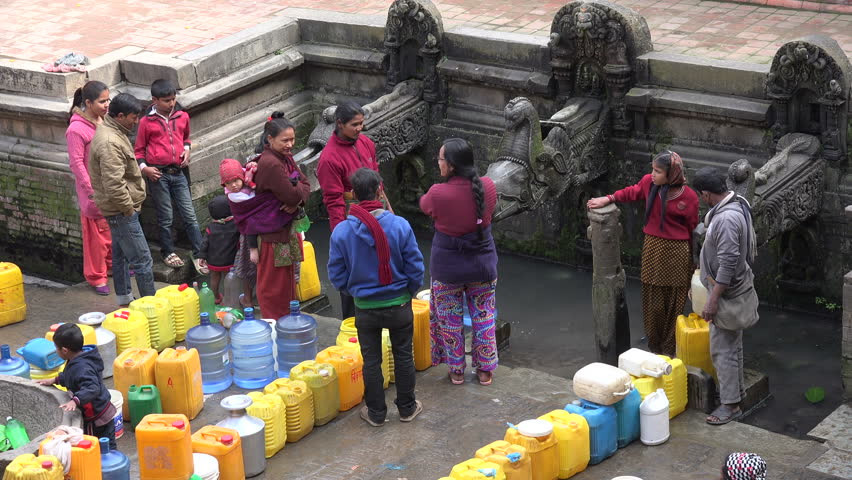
[(47, 464), (227, 439), (353, 339), (178, 424), (85, 444), (182, 287), (54, 327)]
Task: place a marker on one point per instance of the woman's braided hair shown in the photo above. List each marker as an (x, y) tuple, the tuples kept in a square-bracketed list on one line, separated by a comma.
[(459, 155)]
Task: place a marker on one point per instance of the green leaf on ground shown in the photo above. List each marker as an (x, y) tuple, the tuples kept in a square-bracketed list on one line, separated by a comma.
[(815, 394)]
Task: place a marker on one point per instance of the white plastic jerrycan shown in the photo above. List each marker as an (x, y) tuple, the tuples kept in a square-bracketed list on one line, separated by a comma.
[(698, 293), (654, 418), (640, 363)]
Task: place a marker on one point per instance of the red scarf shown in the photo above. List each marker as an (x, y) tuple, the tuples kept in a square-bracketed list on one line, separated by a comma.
[(361, 211)]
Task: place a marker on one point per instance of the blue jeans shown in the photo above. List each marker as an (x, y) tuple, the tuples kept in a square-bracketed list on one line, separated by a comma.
[(174, 187), (130, 250)]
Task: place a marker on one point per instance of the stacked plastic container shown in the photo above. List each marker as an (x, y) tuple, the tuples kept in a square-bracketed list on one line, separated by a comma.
[(184, 302), (298, 405), (251, 343), (321, 378), (161, 322), (211, 341), (675, 386), (130, 328), (270, 408)]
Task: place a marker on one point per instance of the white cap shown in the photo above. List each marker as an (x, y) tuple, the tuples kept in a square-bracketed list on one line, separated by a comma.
[(535, 428)]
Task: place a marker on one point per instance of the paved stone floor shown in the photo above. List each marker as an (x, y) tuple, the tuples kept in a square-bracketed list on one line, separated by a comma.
[(46, 29), (456, 421)]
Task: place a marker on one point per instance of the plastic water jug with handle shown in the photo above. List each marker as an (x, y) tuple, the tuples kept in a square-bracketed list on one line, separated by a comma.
[(298, 405), (13, 304), (134, 366), (185, 307), (161, 320), (627, 413), (270, 408), (603, 428), (692, 334), (514, 459), (223, 444), (698, 292), (601, 383), (178, 374), (654, 418), (164, 446), (640, 363), (537, 437), (572, 441)]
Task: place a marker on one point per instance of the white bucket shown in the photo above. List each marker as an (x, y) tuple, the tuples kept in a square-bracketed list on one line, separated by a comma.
[(205, 466), (654, 418), (117, 400)]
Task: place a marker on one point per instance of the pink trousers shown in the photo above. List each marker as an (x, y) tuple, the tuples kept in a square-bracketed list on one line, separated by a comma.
[(97, 250)]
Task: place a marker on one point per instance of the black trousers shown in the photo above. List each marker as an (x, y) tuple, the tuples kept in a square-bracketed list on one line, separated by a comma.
[(399, 320), (347, 306), (107, 430)]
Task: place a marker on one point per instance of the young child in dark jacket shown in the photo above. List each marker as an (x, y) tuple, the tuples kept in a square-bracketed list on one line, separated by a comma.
[(220, 244), (83, 378)]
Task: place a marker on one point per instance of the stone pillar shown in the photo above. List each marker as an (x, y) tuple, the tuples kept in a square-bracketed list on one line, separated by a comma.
[(609, 309), (846, 351)]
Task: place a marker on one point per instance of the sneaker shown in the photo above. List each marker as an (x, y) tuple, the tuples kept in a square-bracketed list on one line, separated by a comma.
[(365, 415), (102, 290), (418, 407)]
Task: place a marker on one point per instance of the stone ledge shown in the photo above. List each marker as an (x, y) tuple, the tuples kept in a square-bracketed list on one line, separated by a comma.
[(35, 107), (499, 48), (335, 28), (705, 104), (22, 76), (34, 154), (242, 48), (702, 74), (107, 68), (145, 67), (530, 82), (338, 56)]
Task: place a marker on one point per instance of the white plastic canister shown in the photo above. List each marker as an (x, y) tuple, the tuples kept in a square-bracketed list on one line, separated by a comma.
[(698, 293), (117, 400), (640, 363), (654, 418), (205, 466)]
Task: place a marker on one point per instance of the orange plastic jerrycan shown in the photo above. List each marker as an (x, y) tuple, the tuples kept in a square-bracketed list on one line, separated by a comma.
[(477, 469), (572, 441), (134, 366), (350, 374), (270, 408), (13, 304), (422, 338), (298, 405), (85, 458), (514, 459), (30, 467), (185, 307), (130, 328), (161, 322), (224, 445), (348, 337), (538, 438), (675, 386), (692, 334), (164, 445), (178, 374), (321, 378)]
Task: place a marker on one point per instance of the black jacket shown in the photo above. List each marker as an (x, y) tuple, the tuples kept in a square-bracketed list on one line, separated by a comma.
[(220, 245), (82, 378)]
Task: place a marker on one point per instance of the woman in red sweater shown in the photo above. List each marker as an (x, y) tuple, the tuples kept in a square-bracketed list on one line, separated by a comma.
[(671, 213), (280, 250)]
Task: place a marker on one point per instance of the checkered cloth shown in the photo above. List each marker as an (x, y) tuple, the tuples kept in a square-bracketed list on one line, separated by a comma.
[(745, 466)]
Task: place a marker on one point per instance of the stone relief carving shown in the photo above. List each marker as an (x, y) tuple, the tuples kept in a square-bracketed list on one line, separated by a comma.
[(805, 66)]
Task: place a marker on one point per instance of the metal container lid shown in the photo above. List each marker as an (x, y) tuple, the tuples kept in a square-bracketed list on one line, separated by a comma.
[(236, 402)]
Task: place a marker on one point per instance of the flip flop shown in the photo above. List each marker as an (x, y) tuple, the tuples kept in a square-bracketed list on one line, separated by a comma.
[(457, 381), (724, 414), (484, 382), (173, 260)]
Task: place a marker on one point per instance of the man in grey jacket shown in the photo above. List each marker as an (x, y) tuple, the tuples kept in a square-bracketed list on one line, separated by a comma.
[(725, 261)]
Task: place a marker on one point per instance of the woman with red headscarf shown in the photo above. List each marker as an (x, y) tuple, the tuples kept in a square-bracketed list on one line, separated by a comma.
[(671, 213)]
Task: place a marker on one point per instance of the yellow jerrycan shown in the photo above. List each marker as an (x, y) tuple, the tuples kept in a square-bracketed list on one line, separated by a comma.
[(646, 385), (692, 334), (185, 307), (13, 304), (89, 336), (270, 408), (350, 374), (134, 366), (477, 469), (298, 405), (422, 343), (164, 445), (572, 441), (512, 458), (321, 378), (30, 467), (130, 328), (161, 320), (178, 374), (387, 356), (224, 445), (675, 386), (348, 337), (309, 283), (538, 438)]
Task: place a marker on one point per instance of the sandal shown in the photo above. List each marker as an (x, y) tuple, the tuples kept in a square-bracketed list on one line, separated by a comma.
[(484, 377), (173, 260), (724, 414), (457, 378)]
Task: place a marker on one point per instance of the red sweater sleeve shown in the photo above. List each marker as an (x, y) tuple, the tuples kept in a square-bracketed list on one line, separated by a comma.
[(273, 176), (141, 139), (634, 193), (331, 183)]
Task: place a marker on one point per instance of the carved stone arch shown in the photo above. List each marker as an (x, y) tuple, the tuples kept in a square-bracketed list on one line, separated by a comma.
[(809, 85), (593, 50), (414, 43)]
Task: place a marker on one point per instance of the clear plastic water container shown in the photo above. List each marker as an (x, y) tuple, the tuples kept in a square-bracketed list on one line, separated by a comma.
[(251, 343), (296, 338), (14, 366), (211, 341)]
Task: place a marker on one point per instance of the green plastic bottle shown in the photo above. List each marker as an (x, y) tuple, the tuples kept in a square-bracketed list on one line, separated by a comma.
[(207, 302), (194, 477), (4, 442), (16, 433)]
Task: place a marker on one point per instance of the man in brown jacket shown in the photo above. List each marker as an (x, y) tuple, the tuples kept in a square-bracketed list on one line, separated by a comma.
[(119, 193)]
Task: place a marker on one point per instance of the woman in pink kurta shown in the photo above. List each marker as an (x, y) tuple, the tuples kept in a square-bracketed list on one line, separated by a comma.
[(91, 103)]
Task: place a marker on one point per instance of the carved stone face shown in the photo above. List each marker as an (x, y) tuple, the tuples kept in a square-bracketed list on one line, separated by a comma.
[(583, 19)]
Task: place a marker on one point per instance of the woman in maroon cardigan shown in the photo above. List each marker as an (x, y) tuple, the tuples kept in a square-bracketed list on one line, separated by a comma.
[(279, 251), (671, 213)]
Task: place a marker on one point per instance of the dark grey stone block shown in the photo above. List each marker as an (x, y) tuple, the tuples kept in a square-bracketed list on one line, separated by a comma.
[(143, 68), (704, 75)]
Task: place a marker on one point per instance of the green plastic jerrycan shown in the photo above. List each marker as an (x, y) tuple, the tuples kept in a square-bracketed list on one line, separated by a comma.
[(144, 399)]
